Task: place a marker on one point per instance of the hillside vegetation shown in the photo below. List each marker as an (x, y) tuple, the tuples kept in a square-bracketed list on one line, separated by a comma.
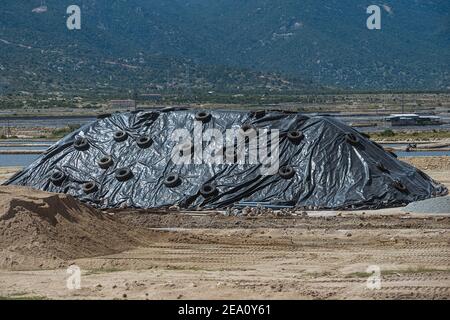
[(225, 45)]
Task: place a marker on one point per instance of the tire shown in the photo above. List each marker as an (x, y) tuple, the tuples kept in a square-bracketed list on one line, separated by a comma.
[(105, 162), (57, 178), (144, 142), (295, 136), (397, 184), (120, 136), (351, 138), (203, 116), (246, 127), (81, 144), (90, 187), (208, 190), (286, 172), (123, 174), (172, 180), (258, 114)]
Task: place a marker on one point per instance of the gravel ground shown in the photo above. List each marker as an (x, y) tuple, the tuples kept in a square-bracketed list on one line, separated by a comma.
[(434, 205)]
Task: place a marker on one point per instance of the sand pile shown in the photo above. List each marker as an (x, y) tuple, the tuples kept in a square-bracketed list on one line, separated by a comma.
[(434, 205), (45, 230)]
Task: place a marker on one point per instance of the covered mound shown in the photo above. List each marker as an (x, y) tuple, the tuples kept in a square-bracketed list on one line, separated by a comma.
[(127, 160), (45, 230)]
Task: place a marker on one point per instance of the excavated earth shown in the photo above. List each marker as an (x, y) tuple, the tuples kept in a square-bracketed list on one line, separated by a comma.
[(44, 230), (129, 254)]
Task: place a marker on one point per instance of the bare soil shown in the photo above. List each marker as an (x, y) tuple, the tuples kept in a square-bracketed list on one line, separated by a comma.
[(148, 255), (296, 263), (7, 172), (44, 230), (429, 163)]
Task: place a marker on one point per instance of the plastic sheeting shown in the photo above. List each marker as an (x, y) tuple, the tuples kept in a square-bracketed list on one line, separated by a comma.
[(330, 172)]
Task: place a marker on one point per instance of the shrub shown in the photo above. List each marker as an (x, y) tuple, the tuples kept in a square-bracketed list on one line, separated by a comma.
[(387, 133)]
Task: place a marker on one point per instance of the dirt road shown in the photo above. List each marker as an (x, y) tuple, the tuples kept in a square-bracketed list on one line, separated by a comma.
[(310, 256), (293, 263)]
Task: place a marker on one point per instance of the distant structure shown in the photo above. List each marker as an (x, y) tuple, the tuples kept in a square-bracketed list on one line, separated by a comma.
[(155, 97), (413, 119), (122, 103)]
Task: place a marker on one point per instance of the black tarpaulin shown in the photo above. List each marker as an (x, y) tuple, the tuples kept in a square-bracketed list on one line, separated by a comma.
[(334, 166)]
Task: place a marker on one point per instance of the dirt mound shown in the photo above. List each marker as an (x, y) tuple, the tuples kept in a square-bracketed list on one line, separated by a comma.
[(434, 205), (45, 230)]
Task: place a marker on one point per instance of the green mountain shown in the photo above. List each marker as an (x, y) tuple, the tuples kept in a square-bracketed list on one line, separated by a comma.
[(224, 45)]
